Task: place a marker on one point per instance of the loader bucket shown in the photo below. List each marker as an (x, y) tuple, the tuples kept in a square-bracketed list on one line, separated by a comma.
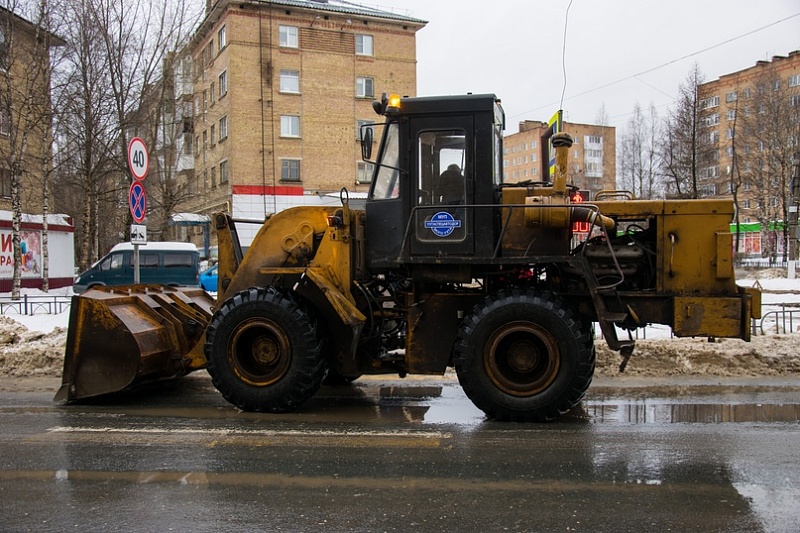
[(121, 336)]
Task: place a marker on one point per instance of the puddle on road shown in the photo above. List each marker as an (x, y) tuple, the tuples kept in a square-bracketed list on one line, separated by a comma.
[(447, 404), (648, 412)]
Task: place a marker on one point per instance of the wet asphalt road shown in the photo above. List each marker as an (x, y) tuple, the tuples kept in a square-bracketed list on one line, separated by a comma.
[(395, 455)]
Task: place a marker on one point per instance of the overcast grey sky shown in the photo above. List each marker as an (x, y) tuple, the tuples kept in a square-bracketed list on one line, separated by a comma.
[(513, 48)]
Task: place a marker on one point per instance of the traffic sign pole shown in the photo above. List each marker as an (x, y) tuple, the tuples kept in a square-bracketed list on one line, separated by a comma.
[(139, 163), (135, 264)]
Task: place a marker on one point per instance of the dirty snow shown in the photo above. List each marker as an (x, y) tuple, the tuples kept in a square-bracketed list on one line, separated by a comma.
[(34, 345)]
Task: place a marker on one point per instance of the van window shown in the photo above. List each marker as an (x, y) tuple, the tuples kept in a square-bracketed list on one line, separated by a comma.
[(178, 260), (145, 260), (114, 262)]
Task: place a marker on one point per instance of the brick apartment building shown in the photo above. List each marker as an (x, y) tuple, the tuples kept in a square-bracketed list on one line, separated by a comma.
[(280, 89), (592, 159), (25, 137), (749, 131)]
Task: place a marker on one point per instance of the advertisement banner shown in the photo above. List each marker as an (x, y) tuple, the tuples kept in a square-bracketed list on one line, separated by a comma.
[(31, 244)]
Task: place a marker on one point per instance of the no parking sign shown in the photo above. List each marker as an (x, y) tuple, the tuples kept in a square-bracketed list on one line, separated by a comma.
[(137, 199)]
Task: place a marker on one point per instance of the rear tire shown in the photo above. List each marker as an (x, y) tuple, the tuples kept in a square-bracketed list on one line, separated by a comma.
[(524, 357), (263, 352)]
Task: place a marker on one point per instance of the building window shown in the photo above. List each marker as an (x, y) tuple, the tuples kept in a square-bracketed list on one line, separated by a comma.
[(290, 170), (776, 85), (213, 138), (3, 50), (794, 81), (290, 81), (794, 101), (364, 172), (363, 44), (288, 36), (747, 93), (5, 183), (730, 114), (364, 88), (212, 92), (223, 128), (210, 51), (223, 83), (5, 122), (222, 38), (205, 101), (213, 176), (712, 101), (361, 127), (731, 97), (710, 120), (223, 171), (290, 126)]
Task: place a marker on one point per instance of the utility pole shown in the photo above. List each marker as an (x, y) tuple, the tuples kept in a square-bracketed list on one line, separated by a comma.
[(794, 206)]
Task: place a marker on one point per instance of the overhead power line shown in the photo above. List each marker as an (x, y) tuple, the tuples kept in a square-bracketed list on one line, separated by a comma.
[(653, 69)]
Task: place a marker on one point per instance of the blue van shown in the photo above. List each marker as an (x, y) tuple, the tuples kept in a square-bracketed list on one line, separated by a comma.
[(165, 263)]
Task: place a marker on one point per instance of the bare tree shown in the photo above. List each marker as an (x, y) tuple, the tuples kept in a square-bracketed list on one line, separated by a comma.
[(734, 171), (86, 128), (117, 51), (772, 131), (170, 123), (26, 39), (138, 37), (601, 119), (683, 153), (638, 159)]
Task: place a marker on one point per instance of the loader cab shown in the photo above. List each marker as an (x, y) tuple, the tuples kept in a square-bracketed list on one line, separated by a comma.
[(439, 161)]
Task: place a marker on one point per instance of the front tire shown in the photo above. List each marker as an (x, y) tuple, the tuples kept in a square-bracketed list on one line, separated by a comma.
[(263, 352), (524, 357)]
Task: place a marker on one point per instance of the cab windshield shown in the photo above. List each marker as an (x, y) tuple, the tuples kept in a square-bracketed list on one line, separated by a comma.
[(387, 180)]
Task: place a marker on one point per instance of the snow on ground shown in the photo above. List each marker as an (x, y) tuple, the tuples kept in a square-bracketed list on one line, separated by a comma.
[(34, 345)]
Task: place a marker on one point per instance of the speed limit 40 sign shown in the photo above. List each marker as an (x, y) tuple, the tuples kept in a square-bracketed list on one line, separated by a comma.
[(138, 160)]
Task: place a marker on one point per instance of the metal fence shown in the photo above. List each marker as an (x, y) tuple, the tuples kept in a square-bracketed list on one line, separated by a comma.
[(781, 318), (778, 317), (34, 305)]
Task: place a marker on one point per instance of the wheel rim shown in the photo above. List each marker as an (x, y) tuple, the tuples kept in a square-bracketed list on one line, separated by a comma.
[(521, 358), (259, 352)]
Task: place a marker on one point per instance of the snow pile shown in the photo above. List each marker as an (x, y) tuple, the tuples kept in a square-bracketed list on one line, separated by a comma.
[(27, 353), (768, 355)]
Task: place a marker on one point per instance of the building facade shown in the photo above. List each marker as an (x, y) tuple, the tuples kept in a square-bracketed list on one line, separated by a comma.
[(25, 113), (280, 91), (749, 132), (592, 158), (25, 158)]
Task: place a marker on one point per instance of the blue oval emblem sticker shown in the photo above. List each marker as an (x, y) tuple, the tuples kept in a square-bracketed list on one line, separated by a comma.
[(442, 224)]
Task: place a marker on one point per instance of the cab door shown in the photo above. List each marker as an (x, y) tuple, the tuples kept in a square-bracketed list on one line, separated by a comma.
[(443, 185)]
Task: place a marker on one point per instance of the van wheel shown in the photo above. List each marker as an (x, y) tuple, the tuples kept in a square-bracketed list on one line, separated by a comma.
[(524, 357), (263, 352)]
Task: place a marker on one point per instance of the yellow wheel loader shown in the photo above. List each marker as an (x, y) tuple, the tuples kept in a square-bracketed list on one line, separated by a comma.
[(447, 266)]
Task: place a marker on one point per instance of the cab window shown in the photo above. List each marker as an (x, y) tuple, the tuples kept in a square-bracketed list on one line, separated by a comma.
[(387, 181), (442, 155)]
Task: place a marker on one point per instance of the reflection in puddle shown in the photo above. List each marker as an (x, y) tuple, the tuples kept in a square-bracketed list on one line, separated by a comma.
[(665, 413)]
